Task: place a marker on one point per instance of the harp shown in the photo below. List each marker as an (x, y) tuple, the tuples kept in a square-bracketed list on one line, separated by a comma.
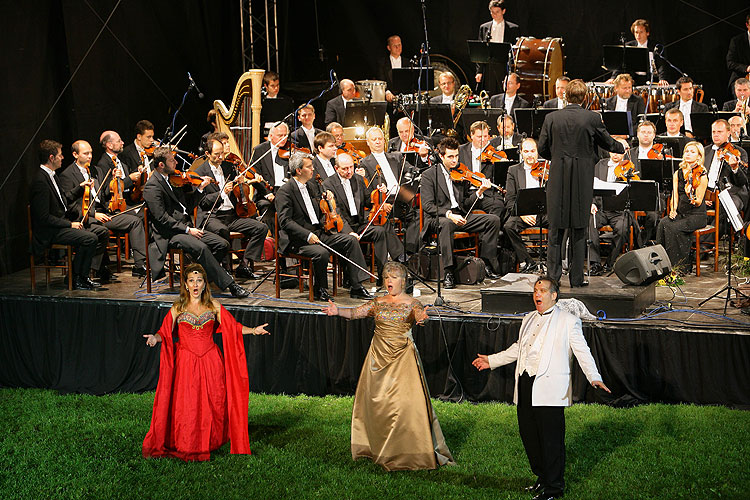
[(241, 121)]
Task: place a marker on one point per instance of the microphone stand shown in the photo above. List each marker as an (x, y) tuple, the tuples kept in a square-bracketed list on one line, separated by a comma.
[(670, 63), (170, 128)]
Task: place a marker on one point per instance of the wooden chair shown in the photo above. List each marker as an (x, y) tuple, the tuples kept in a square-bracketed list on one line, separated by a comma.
[(473, 238), (713, 244), (119, 243), (231, 253), (67, 267), (302, 261), (170, 265)]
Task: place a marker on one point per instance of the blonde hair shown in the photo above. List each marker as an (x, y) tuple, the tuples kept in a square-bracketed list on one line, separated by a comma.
[(207, 301), (696, 145)]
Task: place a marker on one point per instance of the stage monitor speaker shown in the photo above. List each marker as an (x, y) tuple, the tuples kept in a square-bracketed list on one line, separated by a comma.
[(643, 266)]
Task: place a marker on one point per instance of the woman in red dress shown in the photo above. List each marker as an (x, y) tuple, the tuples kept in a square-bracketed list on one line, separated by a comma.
[(202, 396)]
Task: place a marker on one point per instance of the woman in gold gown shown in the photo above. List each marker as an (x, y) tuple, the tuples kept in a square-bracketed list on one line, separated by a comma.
[(393, 421)]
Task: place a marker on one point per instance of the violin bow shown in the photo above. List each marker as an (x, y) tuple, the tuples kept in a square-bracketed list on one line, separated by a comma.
[(346, 259), (96, 195), (376, 212)]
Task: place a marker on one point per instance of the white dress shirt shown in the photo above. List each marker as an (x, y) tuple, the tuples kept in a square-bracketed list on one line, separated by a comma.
[(226, 203), (346, 184), (685, 107), (51, 174), (714, 169), (509, 102), (476, 165), (643, 153), (326, 166), (86, 177), (449, 182), (498, 31), (310, 133), (308, 204), (395, 62), (531, 348), (385, 167), (622, 104), (611, 177), (448, 99), (278, 170), (531, 180)]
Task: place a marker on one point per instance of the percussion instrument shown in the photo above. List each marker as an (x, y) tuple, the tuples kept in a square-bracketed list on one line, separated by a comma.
[(538, 63), (376, 89)]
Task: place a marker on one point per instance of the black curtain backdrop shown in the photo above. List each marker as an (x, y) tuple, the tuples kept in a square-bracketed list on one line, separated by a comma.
[(137, 68), (96, 347)]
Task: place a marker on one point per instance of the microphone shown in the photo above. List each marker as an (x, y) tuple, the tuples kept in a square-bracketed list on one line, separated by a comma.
[(192, 84), (714, 107), (658, 49), (335, 77)]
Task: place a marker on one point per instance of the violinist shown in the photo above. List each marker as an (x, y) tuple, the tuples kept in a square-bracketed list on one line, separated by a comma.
[(335, 129), (52, 222), (406, 142), (169, 211), (470, 155), (99, 219), (305, 134), (222, 213), (507, 137), (272, 167), (726, 160), (354, 201), (324, 161), (385, 179), (525, 175), (615, 169), (336, 107), (110, 160), (134, 155), (301, 229), (448, 204), (687, 208), (646, 132)]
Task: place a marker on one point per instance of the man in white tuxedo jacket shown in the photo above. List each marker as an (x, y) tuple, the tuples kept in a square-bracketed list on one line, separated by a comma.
[(547, 341)]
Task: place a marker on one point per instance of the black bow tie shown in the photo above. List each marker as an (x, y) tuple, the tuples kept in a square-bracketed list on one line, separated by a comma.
[(545, 313)]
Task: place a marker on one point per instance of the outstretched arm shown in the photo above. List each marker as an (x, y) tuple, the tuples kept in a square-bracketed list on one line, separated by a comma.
[(258, 330)]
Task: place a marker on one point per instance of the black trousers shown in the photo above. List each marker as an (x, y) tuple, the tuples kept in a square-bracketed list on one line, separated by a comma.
[(619, 221), (542, 430), (253, 229), (513, 227), (487, 225), (133, 225), (346, 245), (84, 244), (577, 239), (102, 236), (384, 242)]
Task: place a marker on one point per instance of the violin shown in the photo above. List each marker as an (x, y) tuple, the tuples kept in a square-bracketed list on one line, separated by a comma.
[(286, 150), (136, 194), (116, 187), (492, 155), (414, 145), (332, 220), (463, 173), (728, 152), (347, 147), (656, 152), (249, 172), (540, 170), (625, 171), (180, 179), (86, 205), (692, 177), (378, 199)]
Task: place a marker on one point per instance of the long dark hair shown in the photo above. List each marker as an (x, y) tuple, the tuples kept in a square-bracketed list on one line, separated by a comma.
[(206, 300)]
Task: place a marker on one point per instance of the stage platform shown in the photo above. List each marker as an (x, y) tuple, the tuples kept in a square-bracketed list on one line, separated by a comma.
[(91, 341)]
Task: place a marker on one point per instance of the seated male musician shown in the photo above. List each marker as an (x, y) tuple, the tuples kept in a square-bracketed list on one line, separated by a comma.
[(406, 140), (607, 171), (447, 83), (507, 136), (336, 107), (335, 129), (134, 155), (687, 104), (352, 201), (324, 151), (559, 101), (169, 215), (674, 121), (469, 154), (273, 168), (219, 203), (641, 31), (520, 177), (301, 226), (305, 134), (646, 132), (283, 105), (625, 100), (729, 168), (49, 216), (510, 101), (736, 129), (741, 102), (451, 204), (100, 219), (113, 146)]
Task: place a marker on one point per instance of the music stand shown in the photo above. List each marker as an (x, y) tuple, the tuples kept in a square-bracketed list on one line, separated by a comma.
[(500, 171), (489, 116), (533, 201), (701, 122), (432, 116), (363, 113), (530, 120), (676, 144), (626, 59), (481, 52), (638, 196), (660, 171), (406, 80), (617, 122), (655, 118)]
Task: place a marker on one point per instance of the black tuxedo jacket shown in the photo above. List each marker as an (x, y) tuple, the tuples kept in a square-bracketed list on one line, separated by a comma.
[(103, 166), (515, 181), (361, 199), (299, 138), (130, 157), (265, 166), (512, 31), (738, 57), (70, 181), (730, 105), (369, 163), (498, 101), (551, 103), (48, 213), (319, 170), (335, 110), (695, 106), (213, 191), (385, 71), (738, 179), (636, 106)]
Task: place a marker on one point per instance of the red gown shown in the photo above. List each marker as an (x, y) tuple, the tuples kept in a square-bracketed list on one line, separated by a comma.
[(202, 397)]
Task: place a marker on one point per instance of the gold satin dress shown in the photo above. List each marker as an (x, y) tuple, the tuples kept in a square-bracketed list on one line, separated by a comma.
[(393, 421)]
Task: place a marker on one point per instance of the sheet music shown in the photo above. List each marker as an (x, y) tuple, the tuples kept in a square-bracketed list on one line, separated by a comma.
[(611, 186), (731, 209)]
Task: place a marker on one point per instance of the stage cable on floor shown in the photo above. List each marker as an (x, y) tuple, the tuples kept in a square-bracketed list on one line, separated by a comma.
[(462, 394)]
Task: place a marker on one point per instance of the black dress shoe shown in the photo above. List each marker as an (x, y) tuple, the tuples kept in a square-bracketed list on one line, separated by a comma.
[(139, 271), (449, 282), (81, 283), (489, 273), (359, 292), (104, 275), (534, 488), (237, 291), (347, 283), (322, 294), (585, 283), (527, 267), (596, 270), (245, 273), (546, 496)]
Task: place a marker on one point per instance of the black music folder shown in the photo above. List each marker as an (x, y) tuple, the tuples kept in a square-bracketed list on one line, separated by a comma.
[(617, 122), (489, 116), (531, 201), (643, 197), (626, 59), (701, 122), (431, 116), (658, 170), (657, 119), (364, 114), (529, 120), (488, 52), (407, 80)]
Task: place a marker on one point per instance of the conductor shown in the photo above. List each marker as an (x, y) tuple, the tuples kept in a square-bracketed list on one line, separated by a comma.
[(569, 137)]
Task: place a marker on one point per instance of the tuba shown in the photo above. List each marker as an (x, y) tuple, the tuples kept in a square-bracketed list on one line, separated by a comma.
[(241, 121)]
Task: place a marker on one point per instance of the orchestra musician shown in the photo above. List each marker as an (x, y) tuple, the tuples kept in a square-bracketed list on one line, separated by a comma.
[(687, 208), (352, 200), (282, 105), (134, 155), (447, 83), (625, 100), (50, 219), (569, 138), (687, 104), (222, 214), (336, 107), (400, 143), (335, 129), (559, 101), (169, 216), (720, 170), (301, 228), (606, 170), (470, 154), (507, 137), (100, 220), (738, 54), (272, 167), (450, 203), (520, 177), (645, 133), (497, 30), (392, 61), (324, 149), (641, 31), (740, 103), (305, 134), (113, 146), (510, 100), (736, 130), (674, 121)]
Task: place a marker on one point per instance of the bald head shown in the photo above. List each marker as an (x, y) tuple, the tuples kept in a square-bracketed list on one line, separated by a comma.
[(81, 152), (347, 89), (111, 142)]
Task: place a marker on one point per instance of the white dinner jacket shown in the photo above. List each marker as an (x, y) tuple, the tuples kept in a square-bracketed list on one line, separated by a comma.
[(563, 339)]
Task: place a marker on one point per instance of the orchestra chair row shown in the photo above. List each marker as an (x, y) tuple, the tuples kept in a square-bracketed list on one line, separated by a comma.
[(67, 267), (303, 267), (710, 229), (172, 255)]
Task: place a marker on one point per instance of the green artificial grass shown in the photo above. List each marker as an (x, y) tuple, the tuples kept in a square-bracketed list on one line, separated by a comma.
[(78, 446)]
